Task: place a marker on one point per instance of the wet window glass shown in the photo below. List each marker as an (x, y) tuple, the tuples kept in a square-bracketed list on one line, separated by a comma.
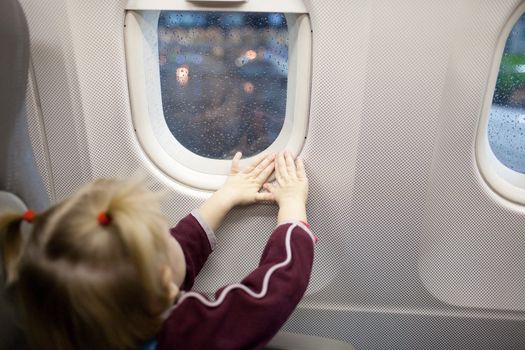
[(507, 116), (223, 79)]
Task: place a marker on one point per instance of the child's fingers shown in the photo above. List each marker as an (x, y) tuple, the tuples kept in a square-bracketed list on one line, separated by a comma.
[(280, 168), (301, 173), (235, 163), (266, 172), (263, 166), (259, 158), (265, 196), (290, 165), (271, 187)]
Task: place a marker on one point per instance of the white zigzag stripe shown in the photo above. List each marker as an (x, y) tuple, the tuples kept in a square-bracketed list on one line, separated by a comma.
[(242, 287)]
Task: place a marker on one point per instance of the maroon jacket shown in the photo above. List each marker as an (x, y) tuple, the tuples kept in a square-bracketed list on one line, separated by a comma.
[(245, 315)]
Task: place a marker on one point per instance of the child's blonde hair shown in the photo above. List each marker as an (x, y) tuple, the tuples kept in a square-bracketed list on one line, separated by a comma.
[(83, 285)]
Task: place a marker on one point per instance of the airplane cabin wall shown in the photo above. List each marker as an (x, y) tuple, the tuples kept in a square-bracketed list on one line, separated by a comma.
[(415, 251)]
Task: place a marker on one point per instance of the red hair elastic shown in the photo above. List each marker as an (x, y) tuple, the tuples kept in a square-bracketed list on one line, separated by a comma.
[(29, 216), (104, 219)]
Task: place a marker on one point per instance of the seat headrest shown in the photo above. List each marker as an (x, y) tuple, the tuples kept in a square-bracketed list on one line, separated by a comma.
[(14, 57)]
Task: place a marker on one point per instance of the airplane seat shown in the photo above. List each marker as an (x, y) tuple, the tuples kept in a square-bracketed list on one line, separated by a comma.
[(14, 61), (18, 168)]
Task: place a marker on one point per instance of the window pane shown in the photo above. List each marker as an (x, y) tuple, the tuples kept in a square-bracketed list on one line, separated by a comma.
[(223, 79), (507, 117)]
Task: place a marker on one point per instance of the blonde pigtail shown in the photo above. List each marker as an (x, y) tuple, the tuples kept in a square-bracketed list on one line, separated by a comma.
[(11, 245), (135, 212), (90, 257)]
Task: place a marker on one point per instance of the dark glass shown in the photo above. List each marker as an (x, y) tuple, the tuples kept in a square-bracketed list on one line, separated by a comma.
[(223, 79), (507, 116)]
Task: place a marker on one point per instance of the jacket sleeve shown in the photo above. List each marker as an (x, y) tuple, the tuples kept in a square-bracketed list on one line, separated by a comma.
[(197, 241), (248, 314)]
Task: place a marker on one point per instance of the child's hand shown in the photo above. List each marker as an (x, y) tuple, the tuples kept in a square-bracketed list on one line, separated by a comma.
[(242, 187), (291, 189)]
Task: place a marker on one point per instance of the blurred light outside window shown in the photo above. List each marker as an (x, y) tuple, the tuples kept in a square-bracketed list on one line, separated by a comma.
[(506, 126), (224, 79)]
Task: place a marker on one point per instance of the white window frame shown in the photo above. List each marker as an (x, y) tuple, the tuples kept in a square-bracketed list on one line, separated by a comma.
[(141, 40), (502, 179)]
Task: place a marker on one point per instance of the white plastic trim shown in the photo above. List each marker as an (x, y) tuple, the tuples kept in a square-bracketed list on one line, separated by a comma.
[(217, 1), (503, 180), (288, 6), (140, 113), (150, 126)]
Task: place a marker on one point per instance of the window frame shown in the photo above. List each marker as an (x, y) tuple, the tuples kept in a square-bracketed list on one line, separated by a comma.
[(184, 166), (503, 180)]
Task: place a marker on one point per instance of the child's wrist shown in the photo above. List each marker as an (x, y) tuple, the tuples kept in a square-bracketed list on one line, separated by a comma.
[(226, 200), (291, 202), (293, 211)]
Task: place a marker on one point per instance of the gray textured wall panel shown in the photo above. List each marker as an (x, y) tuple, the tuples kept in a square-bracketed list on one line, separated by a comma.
[(397, 90)]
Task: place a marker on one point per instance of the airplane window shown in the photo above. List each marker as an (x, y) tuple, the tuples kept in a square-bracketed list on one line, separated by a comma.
[(224, 78), (506, 127), (206, 84)]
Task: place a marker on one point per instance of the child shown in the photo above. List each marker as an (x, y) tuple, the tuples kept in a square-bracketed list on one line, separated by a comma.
[(99, 270)]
